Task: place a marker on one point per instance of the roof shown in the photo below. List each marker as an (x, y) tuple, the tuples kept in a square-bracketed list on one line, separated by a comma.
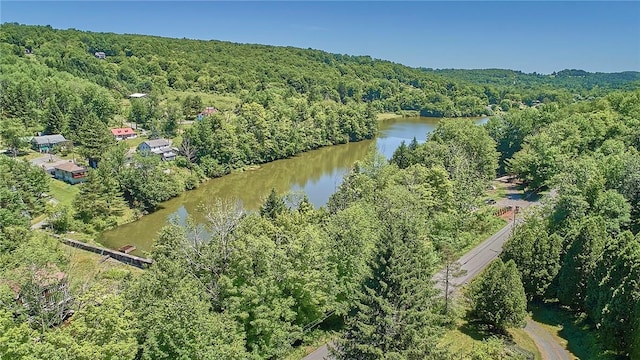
[(157, 143), (137, 95), (48, 139), (70, 167), (123, 131)]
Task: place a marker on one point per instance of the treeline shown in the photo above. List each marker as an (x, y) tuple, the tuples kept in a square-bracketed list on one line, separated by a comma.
[(577, 82), (135, 63), (582, 248), (251, 285)]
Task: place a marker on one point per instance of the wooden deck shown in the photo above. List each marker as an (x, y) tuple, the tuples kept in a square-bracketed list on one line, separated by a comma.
[(127, 248)]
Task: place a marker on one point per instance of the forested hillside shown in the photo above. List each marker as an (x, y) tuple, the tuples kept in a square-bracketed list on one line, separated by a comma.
[(255, 285)]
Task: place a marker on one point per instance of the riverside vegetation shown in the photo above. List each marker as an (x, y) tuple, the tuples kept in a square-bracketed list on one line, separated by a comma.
[(257, 284)]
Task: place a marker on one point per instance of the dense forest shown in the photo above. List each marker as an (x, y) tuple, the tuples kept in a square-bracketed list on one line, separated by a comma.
[(254, 285)]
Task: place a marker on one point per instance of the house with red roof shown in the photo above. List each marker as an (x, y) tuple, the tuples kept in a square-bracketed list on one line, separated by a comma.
[(124, 133)]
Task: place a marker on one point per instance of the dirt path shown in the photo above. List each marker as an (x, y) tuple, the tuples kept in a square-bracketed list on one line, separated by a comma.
[(548, 346)]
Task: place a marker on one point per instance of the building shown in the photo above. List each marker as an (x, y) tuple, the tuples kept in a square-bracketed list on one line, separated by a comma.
[(207, 111), (70, 173), (47, 143), (124, 133), (151, 145), (100, 55), (160, 147), (137, 95)]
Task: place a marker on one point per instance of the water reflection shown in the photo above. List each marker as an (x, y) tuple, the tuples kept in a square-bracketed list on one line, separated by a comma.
[(318, 173)]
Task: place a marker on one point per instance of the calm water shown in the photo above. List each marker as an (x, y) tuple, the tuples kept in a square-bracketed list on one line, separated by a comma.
[(318, 173)]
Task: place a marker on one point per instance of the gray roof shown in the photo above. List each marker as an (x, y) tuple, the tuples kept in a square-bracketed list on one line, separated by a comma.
[(157, 143), (48, 139)]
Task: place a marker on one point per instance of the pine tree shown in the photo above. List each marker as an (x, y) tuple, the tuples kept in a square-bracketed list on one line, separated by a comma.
[(55, 121), (273, 206), (94, 138), (393, 316), (401, 156)]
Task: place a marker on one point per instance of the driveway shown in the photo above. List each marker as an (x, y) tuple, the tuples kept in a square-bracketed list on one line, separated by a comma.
[(546, 344)]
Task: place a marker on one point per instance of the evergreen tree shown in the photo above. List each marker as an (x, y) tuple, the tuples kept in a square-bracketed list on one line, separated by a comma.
[(100, 197), (536, 254), (94, 139), (393, 317), (401, 156), (55, 121), (273, 206), (498, 296)]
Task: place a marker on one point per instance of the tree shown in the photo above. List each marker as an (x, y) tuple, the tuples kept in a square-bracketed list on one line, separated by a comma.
[(536, 254), (498, 296), (14, 136), (585, 248), (393, 316), (273, 205), (100, 197), (401, 156), (94, 139), (55, 121)]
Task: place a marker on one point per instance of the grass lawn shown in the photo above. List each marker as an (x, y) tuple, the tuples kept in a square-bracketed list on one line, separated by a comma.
[(570, 329), (86, 268), (133, 143), (466, 336), (62, 191)]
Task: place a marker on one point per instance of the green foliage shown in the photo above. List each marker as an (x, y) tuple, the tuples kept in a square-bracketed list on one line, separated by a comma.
[(498, 296), (273, 206), (393, 315), (536, 254), (585, 248)]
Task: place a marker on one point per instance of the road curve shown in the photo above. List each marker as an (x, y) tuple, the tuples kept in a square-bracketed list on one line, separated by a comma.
[(546, 344)]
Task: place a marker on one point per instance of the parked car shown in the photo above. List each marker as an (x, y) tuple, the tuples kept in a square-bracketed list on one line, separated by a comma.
[(490, 201)]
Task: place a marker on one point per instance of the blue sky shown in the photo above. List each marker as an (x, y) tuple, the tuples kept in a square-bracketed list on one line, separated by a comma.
[(527, 36)]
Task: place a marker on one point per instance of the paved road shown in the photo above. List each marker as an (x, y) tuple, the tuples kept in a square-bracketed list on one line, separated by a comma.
[(475, 260), (321, 353), (548, 346), (472, 262)]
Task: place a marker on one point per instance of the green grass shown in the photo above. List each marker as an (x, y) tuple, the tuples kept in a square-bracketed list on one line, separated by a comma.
[(387, 116), (571, 329), (490, 225), (62, 191), (87, 268), (466, 336), (133, 143)]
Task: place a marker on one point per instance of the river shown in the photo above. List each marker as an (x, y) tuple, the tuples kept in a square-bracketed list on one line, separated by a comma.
[(318, 173)]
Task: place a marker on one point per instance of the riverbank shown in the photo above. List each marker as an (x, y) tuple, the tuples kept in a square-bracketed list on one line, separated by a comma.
[(404, 114)]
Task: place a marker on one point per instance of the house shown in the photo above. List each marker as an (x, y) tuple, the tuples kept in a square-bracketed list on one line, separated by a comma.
[(207, 111), (47, 293), (124, 133), (47, 143), (161, 147), (100, 55), (70, 173), (151, 145)]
